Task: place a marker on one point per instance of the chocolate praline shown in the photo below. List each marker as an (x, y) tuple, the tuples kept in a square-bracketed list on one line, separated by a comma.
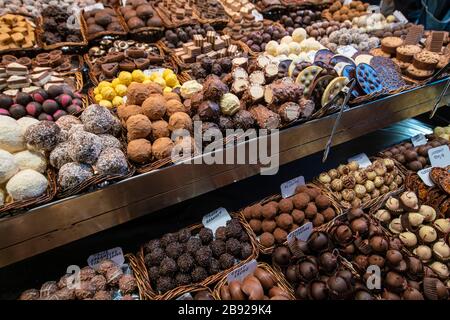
[(233, 246), (318, 241), (174, 250), (193, 245), (206, 235), (281, 255), (185, 262), (226, 261), (203, 256)]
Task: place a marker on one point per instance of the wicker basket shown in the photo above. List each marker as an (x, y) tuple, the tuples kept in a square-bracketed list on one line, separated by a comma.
[(144, 280), (9, 208), (280, 281), (277, 197), (178, 292), (92, 37), (219, 23), (73, 45)]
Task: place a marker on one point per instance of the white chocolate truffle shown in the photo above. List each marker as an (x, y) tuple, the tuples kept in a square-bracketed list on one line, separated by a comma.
[(8, 166), (27, 184), (294, 48), (286, 40), (25, 122), (283, 49), (30, 160), (299, 34), (11, 136), (272, 47), (189, 88)]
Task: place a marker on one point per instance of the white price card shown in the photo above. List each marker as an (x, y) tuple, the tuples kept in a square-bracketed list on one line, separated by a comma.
[(114, 254), (301, 233), (419, 140), (288, 187), (258, 16), (347, 51), (215, 219), (243, 271), (347, 2), (362, 159), (148, 72), (424, 174), (373, 9), (400, 17), (439, 156), (97, 6)]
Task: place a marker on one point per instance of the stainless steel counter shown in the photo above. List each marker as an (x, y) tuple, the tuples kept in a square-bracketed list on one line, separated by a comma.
[(64, 221)]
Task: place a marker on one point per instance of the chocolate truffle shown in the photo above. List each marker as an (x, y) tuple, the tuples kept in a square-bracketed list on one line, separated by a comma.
[(184, 235), (301, 200), (112, 161), (233, 228), (267, 239), (221, 233), (137, 93), (160, 129), (98, 282), (193, 245), (43, 135), (167, 267), (233, 246), (226, 261), (185, 262), (30, 294), (102, 295), (140, 151), (174, 250), (154, 107), (138, 126), (113, 275), (218, 248), (97, 119), (214, 266), (199, 274), (168, 238), (246, 250), (73, 174), (127, 284), (183, 279), (48, 288), (203, 256), (206, 235), (162, 148), (104, 266), (280, 235), (164, 284)]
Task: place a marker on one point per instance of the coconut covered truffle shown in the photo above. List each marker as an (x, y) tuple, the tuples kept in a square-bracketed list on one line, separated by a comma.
[(31, 160), (60, 155), (112, 161), (2, 197), (138, 126), (162, 148), (180, 120), (26, 184), (160, 129), (72, 174), (8, 166), (140, 151), (97, 119), (43, 135), (84, 147), (109, 141), (25, 122), (11, 138), (66, 122)]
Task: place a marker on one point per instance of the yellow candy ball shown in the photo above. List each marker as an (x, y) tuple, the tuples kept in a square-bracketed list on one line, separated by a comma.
[(104, 84), (115, 82), (167, 89), (171, 80), (108, 93), (138, 76), (98, 98), (96, 91), (117, 101), (121, 90), (154, 75), (147, 81), (160, 81), (125, 77), (166, 73), (106, 104)]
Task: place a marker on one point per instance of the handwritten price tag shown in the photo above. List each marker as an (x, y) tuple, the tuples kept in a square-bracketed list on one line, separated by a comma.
[(288, 187), (424, 174), (347, 51), (114, 254), (258, 16), (419, 140), (440, 156), (400, 17), (97, 6), (243, 271), (148, 72), (301, 233), (362, 159), (216, 219)]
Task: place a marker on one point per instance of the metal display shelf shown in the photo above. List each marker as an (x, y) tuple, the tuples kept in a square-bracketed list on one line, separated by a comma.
[(67, 220)]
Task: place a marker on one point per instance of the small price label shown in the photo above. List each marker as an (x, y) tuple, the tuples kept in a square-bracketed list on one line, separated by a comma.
[(362, 160), (148, 72), (216, 219), (347, 51), (258, 16), (424, 174), (373, 9), (347, 2), (288, 187), (419, 140), (400, 17), (124, 3), (114, 254), (243, 271), (439, 156), (301, 233), (97, 6)]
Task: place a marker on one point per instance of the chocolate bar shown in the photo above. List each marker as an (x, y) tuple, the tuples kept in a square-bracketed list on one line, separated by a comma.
[(436, 41), (415, 33)]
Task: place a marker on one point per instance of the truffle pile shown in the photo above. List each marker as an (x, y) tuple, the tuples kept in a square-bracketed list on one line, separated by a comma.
[(420, 229), (316, 273), (106, 282), (273, 221), (100, 20), (175, 38), (260, 285), (55, 26), (341, 13), (240, 26), (21, 170), (35, 7), (80, 148), (348, 36), (139, 14), (257, 40), (361, 240), (414, 158), (42, 104), (183, 258), (156, 123), (353, 186), (299, 18)]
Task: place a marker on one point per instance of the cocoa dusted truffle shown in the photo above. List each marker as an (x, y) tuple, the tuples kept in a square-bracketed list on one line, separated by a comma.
[(183, 279), (218, 248), (184, 235), (127, 284), (185, 262), (233, 246), (162, 148), (193, 245), (226, 261), (138, 126), (199, 274), (174, 250), (138, 92), (154, 107), (203, 256), (167, 267), (43, 135), (140, 151), (206, 235), (160, 129), (180, 120), (164, 284)]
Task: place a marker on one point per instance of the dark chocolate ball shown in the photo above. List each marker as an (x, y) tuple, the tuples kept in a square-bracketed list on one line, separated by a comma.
[(174, 250), (199, 274), (203, 256), (218, 248), (193, 245), (168, 267), (233, 246), (184, 235), (17, 111), (23, 98), (226, 261), (318, 241), (206, 235), (5, 101), (281, 255)]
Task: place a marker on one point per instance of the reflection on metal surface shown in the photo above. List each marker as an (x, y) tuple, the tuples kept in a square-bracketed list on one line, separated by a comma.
[(67, 220)]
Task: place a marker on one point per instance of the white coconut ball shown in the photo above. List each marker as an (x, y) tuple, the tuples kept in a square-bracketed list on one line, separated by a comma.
[(26, 184), (286, 40), (299, 34), (272, 47), (283, 49), (30, 160), (11, 137), (8, 166), (2, 197), (26, 122), (294, 48)]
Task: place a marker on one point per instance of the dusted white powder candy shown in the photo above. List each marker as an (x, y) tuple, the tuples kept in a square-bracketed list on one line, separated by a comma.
[(31, 160), (8, 166), (26, 184), (25, 122), (299, 34), (11, 137)]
